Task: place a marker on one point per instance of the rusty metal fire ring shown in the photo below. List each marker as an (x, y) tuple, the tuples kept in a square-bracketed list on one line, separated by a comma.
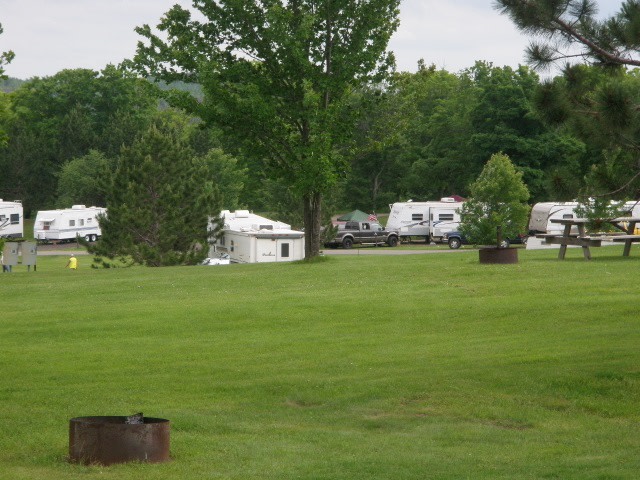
[(110, 439)]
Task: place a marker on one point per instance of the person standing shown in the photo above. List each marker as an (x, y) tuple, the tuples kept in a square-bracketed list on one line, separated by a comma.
[(72, 264)]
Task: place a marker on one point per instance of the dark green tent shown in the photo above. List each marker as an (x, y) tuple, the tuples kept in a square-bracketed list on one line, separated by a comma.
[(355, 216)]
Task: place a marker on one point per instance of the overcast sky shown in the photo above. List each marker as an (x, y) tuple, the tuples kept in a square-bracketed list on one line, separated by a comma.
[(50, 35)]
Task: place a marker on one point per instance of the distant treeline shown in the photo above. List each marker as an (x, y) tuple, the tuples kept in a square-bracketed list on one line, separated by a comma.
[(422, 136)]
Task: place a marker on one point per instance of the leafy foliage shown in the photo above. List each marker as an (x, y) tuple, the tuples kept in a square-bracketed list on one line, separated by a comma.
[(5, 58), (277, 77), (83, 180), (498, 201), (55, 119)]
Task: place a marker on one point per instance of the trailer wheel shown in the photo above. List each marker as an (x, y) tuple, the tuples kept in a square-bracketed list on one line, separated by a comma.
[(87, 238), (454, 243), (347, 242)]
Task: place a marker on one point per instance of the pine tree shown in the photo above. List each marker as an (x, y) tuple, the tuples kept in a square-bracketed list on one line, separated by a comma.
[(159, 203)]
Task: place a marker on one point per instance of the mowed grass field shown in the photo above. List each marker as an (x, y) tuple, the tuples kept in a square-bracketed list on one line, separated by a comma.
[(354, 367)]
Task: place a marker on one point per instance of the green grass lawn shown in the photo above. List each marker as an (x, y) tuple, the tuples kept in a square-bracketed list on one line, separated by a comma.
[(355, 367)]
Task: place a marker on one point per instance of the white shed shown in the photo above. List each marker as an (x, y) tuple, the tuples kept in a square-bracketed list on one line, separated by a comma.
[(250, 238)]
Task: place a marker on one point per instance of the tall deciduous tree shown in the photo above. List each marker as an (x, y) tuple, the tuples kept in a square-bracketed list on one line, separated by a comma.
[(276, 75), (5, 58), (83, 180), (159, 202), (55, 119)]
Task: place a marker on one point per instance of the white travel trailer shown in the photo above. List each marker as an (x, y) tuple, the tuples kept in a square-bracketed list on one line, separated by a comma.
[(250, 238), (66, 224), (11, 219), (543, 213), (425, 219)]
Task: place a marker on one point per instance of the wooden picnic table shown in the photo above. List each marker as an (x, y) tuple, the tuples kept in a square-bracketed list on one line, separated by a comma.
[(569, 238), (626, 225)]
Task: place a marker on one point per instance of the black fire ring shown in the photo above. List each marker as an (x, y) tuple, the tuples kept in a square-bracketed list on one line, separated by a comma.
[(109, 440)]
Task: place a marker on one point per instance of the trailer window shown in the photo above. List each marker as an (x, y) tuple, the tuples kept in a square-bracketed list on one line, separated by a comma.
[(284, 250), (567, 215), (88, 221), (232, 245), (416, 217), (445, 217), (72, 223), (15, 218), (81, 222)]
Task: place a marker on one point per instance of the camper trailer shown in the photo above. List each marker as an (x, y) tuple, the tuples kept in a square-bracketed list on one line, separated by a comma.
[(425, 219), (66, 224), (250, 238), (543, 213), (11, 221)]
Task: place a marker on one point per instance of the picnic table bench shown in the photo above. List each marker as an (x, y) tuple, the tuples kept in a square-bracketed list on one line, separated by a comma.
[(567, 237)]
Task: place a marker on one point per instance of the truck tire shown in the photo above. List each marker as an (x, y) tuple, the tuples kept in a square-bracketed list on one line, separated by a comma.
[(454, 243), (392, 241), (347, 242)]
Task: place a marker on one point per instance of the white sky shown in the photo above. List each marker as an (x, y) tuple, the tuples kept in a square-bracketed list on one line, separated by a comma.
[(50, 35)]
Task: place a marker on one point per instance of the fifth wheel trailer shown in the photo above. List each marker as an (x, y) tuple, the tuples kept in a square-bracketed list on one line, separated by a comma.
[(250, 238), (66, 224)]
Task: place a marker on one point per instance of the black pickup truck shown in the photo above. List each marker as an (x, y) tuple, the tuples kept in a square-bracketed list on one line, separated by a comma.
[(362, 233)]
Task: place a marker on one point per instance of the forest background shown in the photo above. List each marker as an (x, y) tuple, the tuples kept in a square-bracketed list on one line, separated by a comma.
[(421, 136)]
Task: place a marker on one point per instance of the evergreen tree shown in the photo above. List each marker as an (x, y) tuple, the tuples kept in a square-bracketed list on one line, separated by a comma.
[(599, 101), (159, 203), (571, 29)]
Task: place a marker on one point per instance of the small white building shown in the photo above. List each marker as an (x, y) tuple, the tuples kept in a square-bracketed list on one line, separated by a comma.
[(65, 224), (11, 219), (250, 238)]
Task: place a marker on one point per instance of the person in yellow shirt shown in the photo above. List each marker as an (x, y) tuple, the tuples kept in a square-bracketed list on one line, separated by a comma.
[(72, 264)]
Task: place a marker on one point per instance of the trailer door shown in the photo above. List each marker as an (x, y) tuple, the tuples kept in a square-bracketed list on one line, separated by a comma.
[(285, 248)]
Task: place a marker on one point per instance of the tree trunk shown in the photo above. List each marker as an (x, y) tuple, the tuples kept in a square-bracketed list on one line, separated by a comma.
[(312, 223)]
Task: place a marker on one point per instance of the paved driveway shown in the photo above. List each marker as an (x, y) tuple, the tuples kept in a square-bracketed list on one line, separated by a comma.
[(386, 251)]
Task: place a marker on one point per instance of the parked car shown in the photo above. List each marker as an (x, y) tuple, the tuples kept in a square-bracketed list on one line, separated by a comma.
[(457, 239)]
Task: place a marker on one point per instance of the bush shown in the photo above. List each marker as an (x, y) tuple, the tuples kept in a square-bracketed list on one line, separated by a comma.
[(498, 201)]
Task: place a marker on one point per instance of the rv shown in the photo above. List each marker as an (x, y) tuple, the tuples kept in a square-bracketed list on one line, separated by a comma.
[(425, 219), (543, 213), (66, 224), (250, 238), (11, 219)]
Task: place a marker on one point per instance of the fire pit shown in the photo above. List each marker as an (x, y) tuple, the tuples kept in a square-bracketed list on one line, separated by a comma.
[(109, 440)]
